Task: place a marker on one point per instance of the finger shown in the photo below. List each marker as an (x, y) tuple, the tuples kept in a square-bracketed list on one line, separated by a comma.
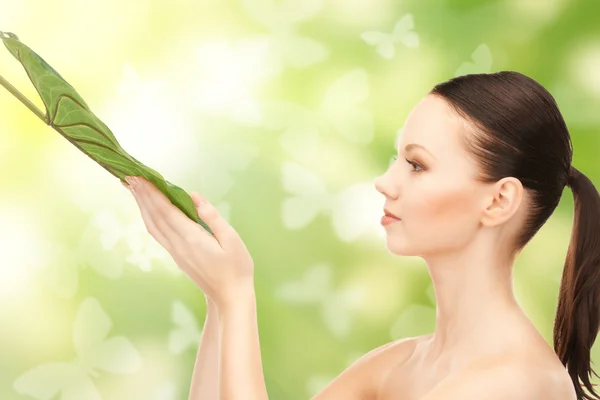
[(166, 217), (148, 218), (224, 233), (197, 200)]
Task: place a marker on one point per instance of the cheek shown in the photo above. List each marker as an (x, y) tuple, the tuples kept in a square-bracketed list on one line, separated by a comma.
[(444, 210), (435, 217)]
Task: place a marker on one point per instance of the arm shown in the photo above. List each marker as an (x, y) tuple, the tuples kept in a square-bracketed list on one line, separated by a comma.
[(240, 367), (205, 378)]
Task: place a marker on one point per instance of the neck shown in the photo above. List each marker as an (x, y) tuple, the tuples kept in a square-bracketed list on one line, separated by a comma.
[(475, 299)]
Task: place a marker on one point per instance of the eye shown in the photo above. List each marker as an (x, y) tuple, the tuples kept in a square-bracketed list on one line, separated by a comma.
[(415, 165)]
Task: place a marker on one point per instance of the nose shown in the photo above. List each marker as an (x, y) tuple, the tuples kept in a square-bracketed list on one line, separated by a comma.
[(378, 183), (383, 185)]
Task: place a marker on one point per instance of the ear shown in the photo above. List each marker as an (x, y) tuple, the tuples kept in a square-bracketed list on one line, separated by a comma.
[(503, 202)]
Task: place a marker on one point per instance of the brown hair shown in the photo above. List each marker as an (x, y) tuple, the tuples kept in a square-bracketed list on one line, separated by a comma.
[(520, 132)]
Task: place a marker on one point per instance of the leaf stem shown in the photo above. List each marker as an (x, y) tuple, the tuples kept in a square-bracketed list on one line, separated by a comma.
[(23, 99)]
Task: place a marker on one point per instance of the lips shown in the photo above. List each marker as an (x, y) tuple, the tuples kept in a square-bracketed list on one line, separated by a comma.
[(388, 213)]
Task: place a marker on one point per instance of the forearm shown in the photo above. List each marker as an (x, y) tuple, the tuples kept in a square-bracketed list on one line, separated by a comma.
[(240, 366), (205, 378)]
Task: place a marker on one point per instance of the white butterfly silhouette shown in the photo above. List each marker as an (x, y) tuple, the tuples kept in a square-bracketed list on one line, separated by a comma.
[(355, 211), (386, 42), (281, 19), (340, 111), (300, 128), (341, 107), (143, 248), (95, 250), (315, 287), (220, 156), (311, 196), (187, 333), (74, 380), (482, 62)]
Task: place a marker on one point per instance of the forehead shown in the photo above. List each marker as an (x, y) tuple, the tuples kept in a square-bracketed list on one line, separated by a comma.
[(434, 125)]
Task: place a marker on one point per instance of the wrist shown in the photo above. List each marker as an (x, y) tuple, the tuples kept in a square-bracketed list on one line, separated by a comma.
[(211, 307), (243, 298)]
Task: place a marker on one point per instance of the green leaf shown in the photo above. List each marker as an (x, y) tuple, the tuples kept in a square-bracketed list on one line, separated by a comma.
[(68, 114)]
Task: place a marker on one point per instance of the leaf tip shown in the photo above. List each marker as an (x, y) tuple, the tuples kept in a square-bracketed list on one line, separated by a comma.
[(6, 35)]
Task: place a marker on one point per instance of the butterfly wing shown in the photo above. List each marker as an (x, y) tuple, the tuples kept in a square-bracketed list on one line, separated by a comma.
[(411, 39), (313, 287), (311, 196), (116, 355), (403, 26), (403, 31), (166, 391), (384, 43), (341, 107), (375, 38), (45, 381), (81, 388), (187, 332), (97, 247), (387, 49), (91, 325), (483, 57)]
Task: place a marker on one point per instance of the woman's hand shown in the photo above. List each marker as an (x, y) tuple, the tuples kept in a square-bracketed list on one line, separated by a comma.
[(220, 266)]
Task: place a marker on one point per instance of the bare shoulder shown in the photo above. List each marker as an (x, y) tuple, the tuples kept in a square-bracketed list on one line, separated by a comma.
[(506, 378), (360, 381), (397, 350)]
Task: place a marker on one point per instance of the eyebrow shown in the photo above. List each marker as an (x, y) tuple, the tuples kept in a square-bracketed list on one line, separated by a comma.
[(411, 146)]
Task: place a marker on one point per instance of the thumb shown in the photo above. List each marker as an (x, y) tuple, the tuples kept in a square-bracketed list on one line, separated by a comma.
[(197, 199), (208, 213)]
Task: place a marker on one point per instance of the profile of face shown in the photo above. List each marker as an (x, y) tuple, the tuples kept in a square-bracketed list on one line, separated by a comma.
[(435, 193)]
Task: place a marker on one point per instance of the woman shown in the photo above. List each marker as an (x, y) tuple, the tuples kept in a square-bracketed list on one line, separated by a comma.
[(484, 159)]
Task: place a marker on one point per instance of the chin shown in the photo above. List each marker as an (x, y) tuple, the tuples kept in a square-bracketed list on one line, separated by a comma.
[(399, 247)]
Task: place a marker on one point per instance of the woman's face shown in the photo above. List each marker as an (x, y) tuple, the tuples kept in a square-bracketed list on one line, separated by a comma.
[(437, 199)]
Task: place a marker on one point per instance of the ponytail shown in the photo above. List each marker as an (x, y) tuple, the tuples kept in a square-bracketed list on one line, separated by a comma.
[(578, 313)]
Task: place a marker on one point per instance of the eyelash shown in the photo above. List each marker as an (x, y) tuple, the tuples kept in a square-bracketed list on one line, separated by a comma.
[(414, 165)]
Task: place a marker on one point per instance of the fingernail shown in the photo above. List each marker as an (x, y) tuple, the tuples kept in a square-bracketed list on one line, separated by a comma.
[(133, 184)]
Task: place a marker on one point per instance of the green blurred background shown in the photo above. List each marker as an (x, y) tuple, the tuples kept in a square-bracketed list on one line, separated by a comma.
[(281, 113)]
